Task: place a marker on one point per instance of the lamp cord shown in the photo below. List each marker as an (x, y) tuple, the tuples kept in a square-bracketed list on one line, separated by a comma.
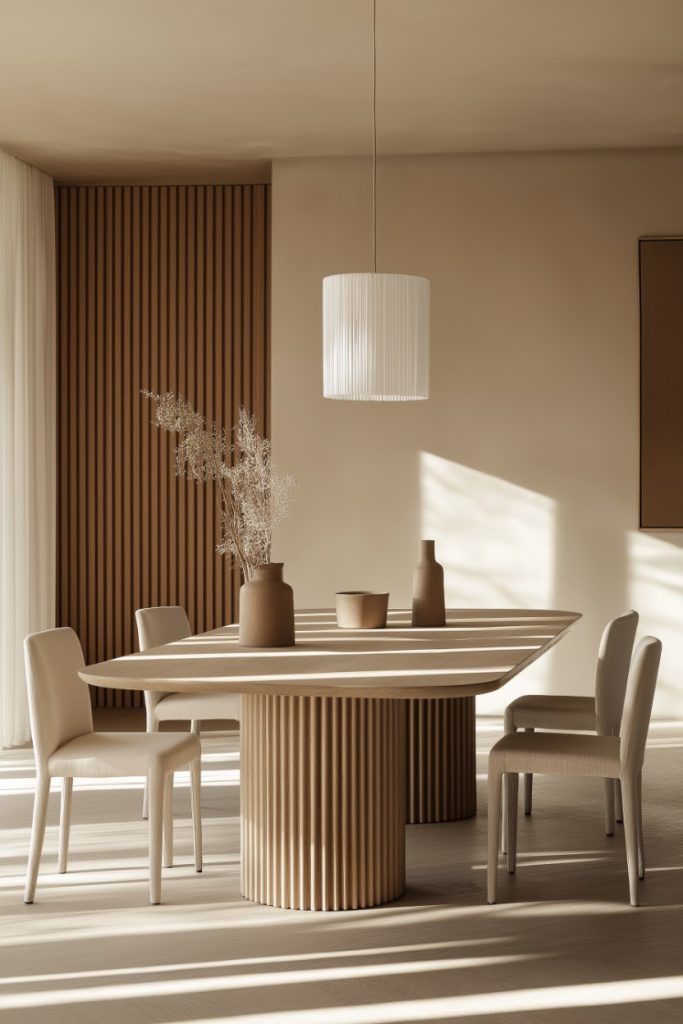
[(374, 136)]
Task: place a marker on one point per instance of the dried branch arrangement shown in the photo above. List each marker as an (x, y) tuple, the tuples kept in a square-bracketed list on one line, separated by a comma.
[(254, 499)]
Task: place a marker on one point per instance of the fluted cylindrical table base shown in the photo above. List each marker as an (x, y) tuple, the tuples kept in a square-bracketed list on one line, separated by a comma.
[(323, 801), (441, 760)]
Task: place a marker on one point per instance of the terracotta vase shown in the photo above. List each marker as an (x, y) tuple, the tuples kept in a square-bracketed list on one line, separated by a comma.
[(267, 609), (429, 605)]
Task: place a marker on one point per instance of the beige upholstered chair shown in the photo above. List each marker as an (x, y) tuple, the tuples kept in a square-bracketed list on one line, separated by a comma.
[(601, 713), (157, 626), (66, 747), (605, 757)]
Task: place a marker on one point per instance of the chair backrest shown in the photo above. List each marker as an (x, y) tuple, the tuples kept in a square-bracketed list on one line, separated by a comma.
[(157, 626), (614, 659), (58, 700), (640, 693)]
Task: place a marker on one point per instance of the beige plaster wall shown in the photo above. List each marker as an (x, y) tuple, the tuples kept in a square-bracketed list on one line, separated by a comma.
[(523, 464)]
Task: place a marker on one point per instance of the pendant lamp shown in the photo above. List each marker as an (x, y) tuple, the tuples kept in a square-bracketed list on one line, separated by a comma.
[(375, 326)]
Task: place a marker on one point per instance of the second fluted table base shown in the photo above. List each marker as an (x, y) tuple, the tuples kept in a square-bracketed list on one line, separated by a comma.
[(441, 760)]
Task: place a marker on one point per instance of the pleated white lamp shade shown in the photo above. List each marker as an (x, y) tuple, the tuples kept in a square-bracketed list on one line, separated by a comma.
[(376, 337)]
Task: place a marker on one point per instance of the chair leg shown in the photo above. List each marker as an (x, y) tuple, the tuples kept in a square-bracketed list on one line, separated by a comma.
[(156, 815), (65, 824), (152, 726), (511, 787), (639, 812), (495, 786), (168, 821), (508, 727), (196, 784), (504, 811), (37, 835), (619, 810), (629, 791), (195, 727), (609, 807), (528, 788)]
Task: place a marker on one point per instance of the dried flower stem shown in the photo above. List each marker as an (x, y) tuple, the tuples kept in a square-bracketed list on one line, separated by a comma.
[(254, 499)]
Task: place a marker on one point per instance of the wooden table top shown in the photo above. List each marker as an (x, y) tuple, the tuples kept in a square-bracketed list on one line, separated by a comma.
[(477, 651)]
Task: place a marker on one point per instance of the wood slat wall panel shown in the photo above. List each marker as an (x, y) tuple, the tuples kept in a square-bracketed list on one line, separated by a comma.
[(163, 288)]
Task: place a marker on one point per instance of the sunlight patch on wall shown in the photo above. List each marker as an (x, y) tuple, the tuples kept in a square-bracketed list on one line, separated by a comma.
[(496, 542), (656, 591)]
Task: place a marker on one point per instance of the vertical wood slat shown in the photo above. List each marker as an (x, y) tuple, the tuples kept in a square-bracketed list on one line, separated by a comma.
[(163, 288)]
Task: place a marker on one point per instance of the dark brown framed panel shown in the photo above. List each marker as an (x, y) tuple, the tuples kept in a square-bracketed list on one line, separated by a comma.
[(163, 288), (661, 383)]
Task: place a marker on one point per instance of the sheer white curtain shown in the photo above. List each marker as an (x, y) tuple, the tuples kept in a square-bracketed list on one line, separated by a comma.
[(27, 428)]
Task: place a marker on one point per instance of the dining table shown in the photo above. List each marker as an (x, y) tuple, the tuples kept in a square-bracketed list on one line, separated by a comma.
[(347, 736)]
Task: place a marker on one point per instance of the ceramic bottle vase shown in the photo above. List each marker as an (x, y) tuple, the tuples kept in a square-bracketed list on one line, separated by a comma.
[(267, 609), (429, 606)]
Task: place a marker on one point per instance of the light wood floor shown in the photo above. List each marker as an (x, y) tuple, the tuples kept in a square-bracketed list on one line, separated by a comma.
[(563, 946)]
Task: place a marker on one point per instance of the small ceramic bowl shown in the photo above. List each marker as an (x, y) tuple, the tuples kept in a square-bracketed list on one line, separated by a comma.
[(361, 609)]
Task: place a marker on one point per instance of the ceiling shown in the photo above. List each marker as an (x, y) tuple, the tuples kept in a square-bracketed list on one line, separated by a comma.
[(213, 90)]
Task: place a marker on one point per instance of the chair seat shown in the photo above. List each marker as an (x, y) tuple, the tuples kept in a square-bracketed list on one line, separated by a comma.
[(182, 707), (557, 753), (104, 754), (548, 711)]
